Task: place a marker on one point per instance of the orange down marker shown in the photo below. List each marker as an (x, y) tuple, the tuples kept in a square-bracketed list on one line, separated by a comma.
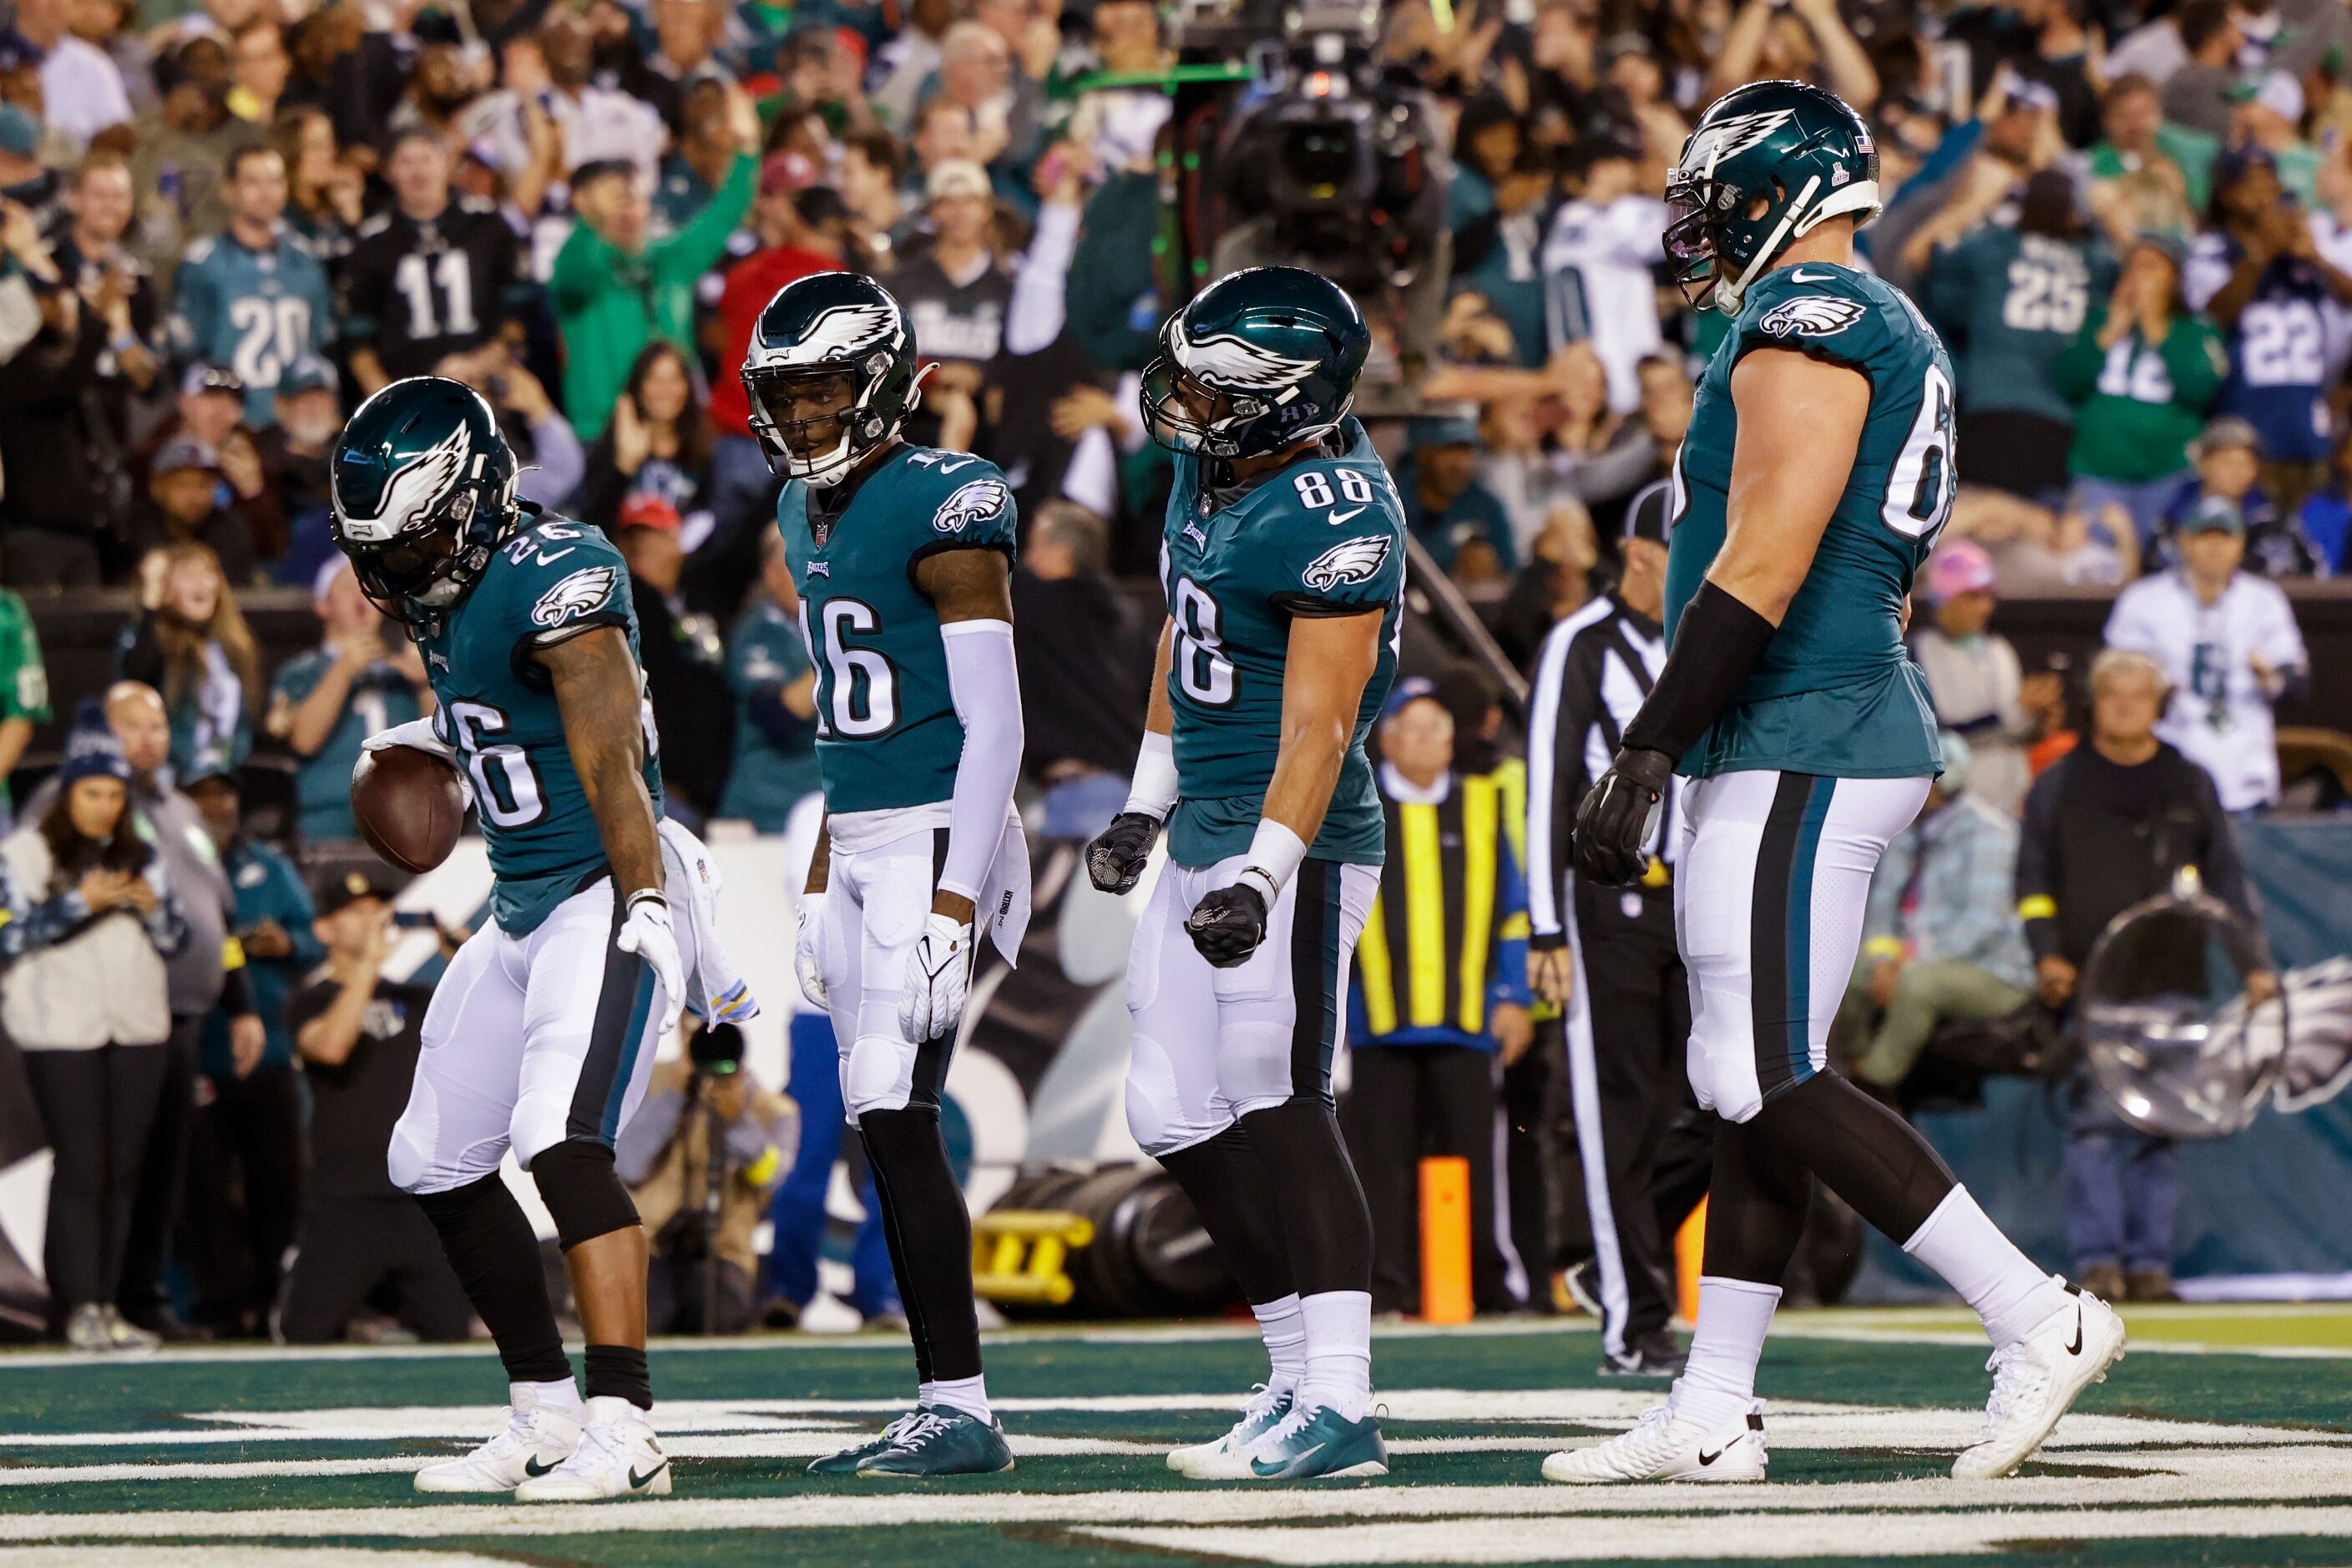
[(1446, 1240)]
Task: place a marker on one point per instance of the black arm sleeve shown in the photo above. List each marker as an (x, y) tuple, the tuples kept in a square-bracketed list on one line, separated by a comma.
[(1718, 642)]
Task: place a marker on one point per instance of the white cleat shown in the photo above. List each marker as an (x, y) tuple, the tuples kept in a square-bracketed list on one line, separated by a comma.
[(2036, 1379), (1658, 1447), (618, 1455), (538, 1436), (1226, 1459)]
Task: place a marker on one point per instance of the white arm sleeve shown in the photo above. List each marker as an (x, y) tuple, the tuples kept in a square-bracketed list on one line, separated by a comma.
[(987, 693), (1546, 840)]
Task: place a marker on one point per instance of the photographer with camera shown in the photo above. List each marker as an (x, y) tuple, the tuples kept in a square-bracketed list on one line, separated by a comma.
[(701, 1157)]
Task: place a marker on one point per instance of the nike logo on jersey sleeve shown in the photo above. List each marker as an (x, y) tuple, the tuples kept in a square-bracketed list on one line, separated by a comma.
[(1338, 516)]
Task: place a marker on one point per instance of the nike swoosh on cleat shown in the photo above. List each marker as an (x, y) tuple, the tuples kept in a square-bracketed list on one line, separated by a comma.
[(1335, 517), (2076, 1348), (1263, 1468), (1706, 1458), (638, 1481), (533, 1468)]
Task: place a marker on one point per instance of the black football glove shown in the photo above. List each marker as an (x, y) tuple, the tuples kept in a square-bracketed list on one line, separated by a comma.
[(1117, 856), (1617, 814), (1228, 924)]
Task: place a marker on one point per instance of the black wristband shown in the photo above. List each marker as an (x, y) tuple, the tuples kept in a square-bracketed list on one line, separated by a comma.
[(1716, 643)]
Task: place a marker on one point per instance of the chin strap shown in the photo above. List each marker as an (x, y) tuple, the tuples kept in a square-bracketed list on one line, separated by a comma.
[(1727, 296)]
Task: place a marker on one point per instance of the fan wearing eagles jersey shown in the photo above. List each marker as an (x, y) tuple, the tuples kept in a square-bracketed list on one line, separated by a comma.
[(1283, 558), (901, 557), (541, 1036), (1807, 492)]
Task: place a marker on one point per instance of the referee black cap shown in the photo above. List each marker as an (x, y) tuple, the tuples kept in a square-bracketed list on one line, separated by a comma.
[(1650, 511)]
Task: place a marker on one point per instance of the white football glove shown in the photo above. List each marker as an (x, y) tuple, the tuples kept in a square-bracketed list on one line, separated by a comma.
[(939, 977), (808, 947), (416, 732), (646, 931)]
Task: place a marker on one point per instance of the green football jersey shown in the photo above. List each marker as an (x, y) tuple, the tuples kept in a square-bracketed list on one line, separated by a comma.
[(24, 679), (1320, 537), (2011, 304), (497, 708), (887, 735), (1835, 693)]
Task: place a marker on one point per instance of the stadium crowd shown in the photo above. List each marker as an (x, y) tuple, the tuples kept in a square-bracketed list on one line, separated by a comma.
[(224, 227)]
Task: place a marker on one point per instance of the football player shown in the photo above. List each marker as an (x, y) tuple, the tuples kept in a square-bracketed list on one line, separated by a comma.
[(901, 557), (1283, 560), (540, 1036), (1816, 474)]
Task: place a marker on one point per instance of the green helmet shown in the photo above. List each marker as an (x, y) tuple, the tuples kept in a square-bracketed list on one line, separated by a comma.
[(829, 328), (424, 490), (1798, 150), (1259, 360)]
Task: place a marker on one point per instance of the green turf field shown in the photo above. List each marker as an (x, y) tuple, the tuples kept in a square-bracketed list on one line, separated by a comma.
[(2226, 1437)]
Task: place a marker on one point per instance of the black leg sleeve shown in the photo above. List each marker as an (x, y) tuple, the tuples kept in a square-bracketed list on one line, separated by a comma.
[(1381, 1122), (1757, 1211), (1862, 1152), (1228, 1185), (495, 1256), (929, 1233), (1325, 1224)]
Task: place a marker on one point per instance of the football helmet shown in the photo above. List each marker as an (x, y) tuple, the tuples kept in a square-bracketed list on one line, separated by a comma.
[(1767, 163), (424, 490), (829, 327), (1258, 361)]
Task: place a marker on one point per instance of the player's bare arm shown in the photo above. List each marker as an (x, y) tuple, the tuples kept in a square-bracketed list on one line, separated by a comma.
[(1800, 422), (596, 688), (965, 586), (1331, 661), (1157, 716)]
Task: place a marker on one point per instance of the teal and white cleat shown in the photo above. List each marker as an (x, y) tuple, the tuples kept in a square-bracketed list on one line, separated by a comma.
[(845, 1462), (1226, 1457), (940, 1441), (1318, 1444)]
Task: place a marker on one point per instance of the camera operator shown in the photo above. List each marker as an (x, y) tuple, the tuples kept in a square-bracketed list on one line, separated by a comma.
[(359, 1034), (1343, 163), (701, 1210)]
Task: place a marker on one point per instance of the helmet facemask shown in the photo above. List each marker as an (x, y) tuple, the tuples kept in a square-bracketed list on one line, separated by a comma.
[(1720, 234), (1185, 414), (821, 449)]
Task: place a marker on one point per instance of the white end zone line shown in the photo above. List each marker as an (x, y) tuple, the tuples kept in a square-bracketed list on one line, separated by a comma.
[(2022, 1508)]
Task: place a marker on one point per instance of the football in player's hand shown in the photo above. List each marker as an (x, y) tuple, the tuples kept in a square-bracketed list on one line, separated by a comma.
[(410, 806)]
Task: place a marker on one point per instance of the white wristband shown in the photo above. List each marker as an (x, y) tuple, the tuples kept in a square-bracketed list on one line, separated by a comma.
[(1276, 851), (1154, 790)]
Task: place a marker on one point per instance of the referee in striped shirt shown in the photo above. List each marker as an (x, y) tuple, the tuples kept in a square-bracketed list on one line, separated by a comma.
[(1607, 956)]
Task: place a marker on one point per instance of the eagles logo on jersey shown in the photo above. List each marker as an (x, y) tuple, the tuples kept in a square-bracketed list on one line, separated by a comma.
[(980, 498), (424, 490), (583, 590), (1350, 561), (1814, 316)]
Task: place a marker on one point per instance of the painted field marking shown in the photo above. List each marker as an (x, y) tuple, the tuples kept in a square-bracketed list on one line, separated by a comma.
[(1762, 1536), (2023, 1508)]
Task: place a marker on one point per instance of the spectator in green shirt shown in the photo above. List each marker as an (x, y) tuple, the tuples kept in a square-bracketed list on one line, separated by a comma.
[(775, 703), (2141, 374), (324, 702), (2139, 140), (23, 690), (615, 290)]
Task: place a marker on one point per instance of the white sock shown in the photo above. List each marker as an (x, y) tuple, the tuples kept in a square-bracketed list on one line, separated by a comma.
[(1339, 1351), (559, 1393), (1718, 1384), (1283, 1327), (1958, 1241), (968, 1394)]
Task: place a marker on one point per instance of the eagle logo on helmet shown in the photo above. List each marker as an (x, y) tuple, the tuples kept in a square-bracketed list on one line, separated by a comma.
[(1350, 561), (411, 495), (973, 502), (584, 590), (839, 333), (1731, 136), (1814, 316), (1235, 363)]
